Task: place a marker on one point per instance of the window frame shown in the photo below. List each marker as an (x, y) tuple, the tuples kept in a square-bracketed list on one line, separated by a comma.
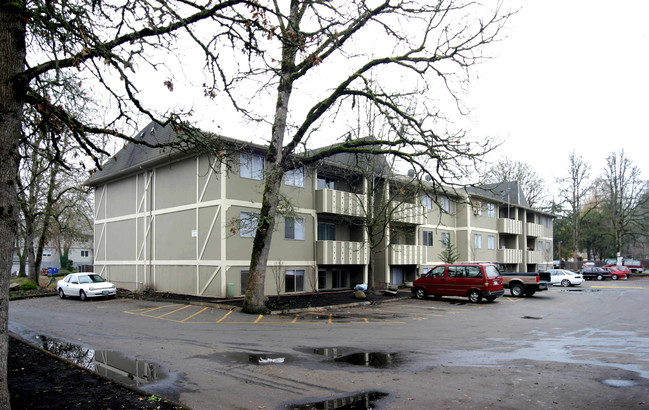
[(443, 237), (251, 166), (292, 229), (427, 201), (491, 242), (248, 229), (446, 204), (295, 275), (428, 238), (477, 241), (491, 210), (327, 231), (294, 177)]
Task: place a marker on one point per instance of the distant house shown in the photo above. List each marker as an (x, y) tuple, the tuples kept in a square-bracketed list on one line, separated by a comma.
[(81, 254), (175, 221)]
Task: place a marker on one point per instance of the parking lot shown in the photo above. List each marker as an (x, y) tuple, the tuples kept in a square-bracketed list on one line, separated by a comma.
[(576, 347)]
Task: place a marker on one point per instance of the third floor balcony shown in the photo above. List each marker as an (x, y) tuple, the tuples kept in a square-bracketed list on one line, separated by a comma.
[(534, 230)]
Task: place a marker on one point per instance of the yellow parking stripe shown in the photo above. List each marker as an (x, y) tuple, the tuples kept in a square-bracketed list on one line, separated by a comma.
[(258, 319), (194, 315), (618, 287), (173, 311), (295, 319), (147, 310), (226, 315)]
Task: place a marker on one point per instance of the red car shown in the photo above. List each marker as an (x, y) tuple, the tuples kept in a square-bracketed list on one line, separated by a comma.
[(475, 281), (618, 272)]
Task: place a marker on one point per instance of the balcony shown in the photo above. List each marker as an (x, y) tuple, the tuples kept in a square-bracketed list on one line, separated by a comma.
[(407, 254), (510, 255), (341, 253), (408, 213), (510, 226), (534, 256), (534, 230), (339, 202)]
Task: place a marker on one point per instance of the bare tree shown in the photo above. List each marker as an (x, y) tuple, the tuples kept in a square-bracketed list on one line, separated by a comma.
[(625, 199), (531, 183), (575, 189)]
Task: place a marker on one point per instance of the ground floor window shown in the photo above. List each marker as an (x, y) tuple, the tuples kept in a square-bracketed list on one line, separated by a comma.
[(244, 281), (339, 278), (294, 280), (322, 279)]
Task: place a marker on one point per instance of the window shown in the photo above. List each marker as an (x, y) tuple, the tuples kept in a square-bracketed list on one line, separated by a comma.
[(548, 248), (294, 177), (477, 207), (428, 238), (491, 210), (326, 232), (247, 224), (446, 239), (294, 280), (84, 254), (251, 166), (548, 222), (456, 271), (473, 272), (294, 228), (322, 279), (436, 272), (326, 183), (339, 279), (426, 201), (446, 204), (491, 242), (477, 241), (244, 281)]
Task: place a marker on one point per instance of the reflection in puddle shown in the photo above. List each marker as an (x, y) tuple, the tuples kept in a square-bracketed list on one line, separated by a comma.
[(113, 365), (376, 360), (367, 400)]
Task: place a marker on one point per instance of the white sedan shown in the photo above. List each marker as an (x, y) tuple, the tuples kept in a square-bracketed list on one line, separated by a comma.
[(565, 277), (85, 285)]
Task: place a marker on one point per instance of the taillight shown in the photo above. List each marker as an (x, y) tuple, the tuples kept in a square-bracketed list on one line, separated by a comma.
[(538, 279)]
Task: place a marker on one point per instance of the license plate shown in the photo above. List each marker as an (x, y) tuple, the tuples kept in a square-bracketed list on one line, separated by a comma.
[(105, 292)]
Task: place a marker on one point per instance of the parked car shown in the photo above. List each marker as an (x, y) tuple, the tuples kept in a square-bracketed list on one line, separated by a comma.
[(475, 281), (616, 273), (594, 272), (565, 278), (85, 285), (621, 268), (588, 264)]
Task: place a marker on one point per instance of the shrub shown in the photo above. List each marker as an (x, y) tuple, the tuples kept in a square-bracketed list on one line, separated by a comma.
[(29, 285)]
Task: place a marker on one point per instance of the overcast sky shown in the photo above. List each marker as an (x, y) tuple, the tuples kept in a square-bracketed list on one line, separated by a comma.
[(571, 75)]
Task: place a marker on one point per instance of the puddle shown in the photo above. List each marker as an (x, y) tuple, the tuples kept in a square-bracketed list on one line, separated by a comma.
[(113, 365), (256, 358), (377, 360), (620, 383), (366, 400)]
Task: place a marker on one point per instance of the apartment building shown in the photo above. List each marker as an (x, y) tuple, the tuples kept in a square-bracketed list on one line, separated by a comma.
[(177, 221)]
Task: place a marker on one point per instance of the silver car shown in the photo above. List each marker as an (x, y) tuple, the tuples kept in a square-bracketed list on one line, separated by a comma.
[(85, 285)]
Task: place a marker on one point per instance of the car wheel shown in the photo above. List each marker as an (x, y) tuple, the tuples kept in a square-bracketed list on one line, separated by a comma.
[(614, 277), (420, 293), (61, 293), (490, 298), (474, 296), (565, 283), (600, 277), (530, 292), (517, 290), (82, 295)]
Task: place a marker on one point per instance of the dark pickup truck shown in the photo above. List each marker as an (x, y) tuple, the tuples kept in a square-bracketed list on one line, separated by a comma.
[(526, 283)]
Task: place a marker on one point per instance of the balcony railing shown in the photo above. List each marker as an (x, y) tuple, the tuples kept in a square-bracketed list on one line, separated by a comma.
[(510, 226), (534, 230), (534, 256), (510, 255), (341, 253), (339, 202), (407, 254), (409, 213)]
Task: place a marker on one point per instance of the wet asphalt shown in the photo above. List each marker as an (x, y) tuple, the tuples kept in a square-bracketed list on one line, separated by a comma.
[(580, 347)]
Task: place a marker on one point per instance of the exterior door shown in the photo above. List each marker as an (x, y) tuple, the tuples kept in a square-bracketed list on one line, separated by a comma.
[(397, 275)]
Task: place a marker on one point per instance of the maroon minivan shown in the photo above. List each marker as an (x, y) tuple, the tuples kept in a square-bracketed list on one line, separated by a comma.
[(473, 280)]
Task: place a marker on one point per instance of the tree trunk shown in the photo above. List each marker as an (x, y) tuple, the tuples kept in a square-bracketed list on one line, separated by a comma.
[(12, 50), (255, 294)]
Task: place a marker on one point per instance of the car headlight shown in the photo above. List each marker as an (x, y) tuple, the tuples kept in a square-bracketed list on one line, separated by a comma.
[(91, 288)]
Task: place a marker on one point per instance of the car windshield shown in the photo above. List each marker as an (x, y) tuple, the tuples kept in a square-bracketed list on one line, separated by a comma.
[(84, 279), (96, 278)]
